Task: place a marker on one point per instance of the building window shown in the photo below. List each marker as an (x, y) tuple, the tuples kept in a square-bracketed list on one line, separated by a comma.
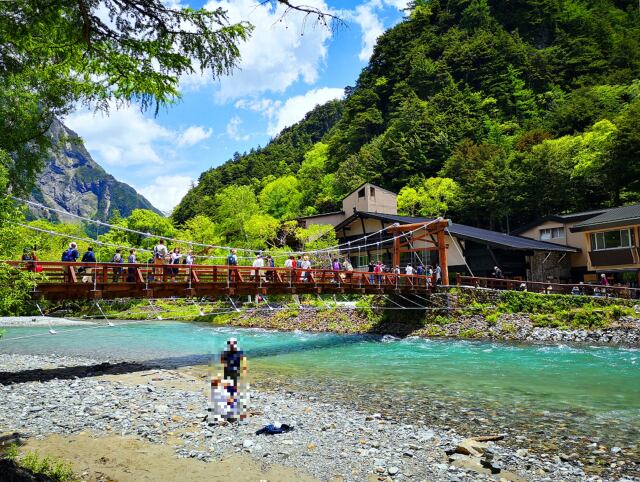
[(361, 193), (372, 192), (551, 233), (622, 238)]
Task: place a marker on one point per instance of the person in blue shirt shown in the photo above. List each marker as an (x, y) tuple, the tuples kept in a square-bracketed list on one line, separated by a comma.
[(71, 254), (89, 256)]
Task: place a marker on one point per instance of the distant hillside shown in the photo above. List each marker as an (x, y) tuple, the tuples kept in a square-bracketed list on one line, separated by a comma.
[(493, 112), (282, 156), (72, 181)]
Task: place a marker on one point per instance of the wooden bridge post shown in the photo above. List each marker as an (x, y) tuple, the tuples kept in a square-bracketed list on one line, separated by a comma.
[(396, 251), (442, 257)]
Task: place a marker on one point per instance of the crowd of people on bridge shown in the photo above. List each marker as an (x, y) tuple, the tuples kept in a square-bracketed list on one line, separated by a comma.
[(161, 255)]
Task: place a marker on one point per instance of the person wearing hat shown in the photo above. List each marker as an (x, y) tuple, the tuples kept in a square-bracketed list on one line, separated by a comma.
[(258, 263)]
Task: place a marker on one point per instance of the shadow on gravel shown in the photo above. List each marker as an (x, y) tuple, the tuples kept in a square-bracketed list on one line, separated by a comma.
[(65, 373), (120, 368)]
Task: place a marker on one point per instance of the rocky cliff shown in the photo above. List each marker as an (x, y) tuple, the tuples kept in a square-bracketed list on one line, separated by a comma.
[(72, 181)]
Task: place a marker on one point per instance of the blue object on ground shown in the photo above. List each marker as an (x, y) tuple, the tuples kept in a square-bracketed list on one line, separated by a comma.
[(271, 429)]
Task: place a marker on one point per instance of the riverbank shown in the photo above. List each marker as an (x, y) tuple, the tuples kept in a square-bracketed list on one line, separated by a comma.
[(7, 321), (516, 327), (331, 441), (461, 313)]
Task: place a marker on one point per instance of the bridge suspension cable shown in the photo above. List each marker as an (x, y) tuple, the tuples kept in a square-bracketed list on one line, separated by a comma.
[(337, 247)]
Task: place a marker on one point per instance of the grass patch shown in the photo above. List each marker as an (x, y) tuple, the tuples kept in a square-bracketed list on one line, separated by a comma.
[(469, 333), (509, 328), (53, 467), (588, 318)]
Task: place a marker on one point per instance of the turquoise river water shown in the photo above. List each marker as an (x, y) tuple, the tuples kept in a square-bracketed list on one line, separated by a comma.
[(552, 396)]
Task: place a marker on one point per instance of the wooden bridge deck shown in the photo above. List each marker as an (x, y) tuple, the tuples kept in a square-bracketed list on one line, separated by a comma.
[(68, 281)]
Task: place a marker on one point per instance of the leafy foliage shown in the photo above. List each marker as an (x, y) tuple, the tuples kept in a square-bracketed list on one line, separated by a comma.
[(15, 290), (55, 468)]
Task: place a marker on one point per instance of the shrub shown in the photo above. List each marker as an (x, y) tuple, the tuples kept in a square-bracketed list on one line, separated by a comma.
[(434, 331), (492, 318), (55, 468), (16, 286), (469, 333), (442, 320)]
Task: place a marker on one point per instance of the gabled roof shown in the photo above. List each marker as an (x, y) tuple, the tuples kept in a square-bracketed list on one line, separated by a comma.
[(462, 231), (373, 185), (560, 218), (611, 218), (321, 215)]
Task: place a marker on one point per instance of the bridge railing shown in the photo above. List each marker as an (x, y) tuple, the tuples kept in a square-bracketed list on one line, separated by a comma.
[(60, 272), (598, 291)]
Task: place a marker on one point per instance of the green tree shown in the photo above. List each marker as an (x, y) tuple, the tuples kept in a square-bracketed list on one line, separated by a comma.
[(234, 207), (261, 230), (408, 201), (51, 58), (281, 197), (147, 221), (200, 229), (317, 236), (433, 197), (623, 172)]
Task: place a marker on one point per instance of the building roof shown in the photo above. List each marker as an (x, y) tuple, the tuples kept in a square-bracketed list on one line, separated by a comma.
[(560, 218), (371, 184), (611, 218), (462, 231), (321, 215)]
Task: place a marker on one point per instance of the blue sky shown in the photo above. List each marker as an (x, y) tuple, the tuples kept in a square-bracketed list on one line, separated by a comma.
[(287, 68)]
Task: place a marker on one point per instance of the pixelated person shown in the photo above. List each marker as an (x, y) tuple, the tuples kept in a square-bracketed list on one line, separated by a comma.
[(230, 394), (233, 361)]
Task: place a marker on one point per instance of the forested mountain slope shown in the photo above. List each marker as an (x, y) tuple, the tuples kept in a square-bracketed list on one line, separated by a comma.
[(493, 112)]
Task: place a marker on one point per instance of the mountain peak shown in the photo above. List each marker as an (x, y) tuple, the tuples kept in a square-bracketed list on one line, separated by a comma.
[(72, 181)]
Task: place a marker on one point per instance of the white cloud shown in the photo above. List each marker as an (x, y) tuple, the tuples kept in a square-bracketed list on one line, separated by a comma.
[(399, 4), (371, 27), (283, 114), (367, 17), (280, 51), (166, 191), (193, 134), (296, 107), (122, 138), (233, 129)]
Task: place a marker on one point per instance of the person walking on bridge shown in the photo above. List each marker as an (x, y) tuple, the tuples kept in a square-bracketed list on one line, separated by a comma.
[(160, 254), (174, 258), (131, 272), (257, 264), (88, 257), (117, 258), (438, 274), (71, 254), (232, 261)]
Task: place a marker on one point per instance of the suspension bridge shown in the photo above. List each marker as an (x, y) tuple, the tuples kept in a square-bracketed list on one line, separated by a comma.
[(63, 280), (66, 280)]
